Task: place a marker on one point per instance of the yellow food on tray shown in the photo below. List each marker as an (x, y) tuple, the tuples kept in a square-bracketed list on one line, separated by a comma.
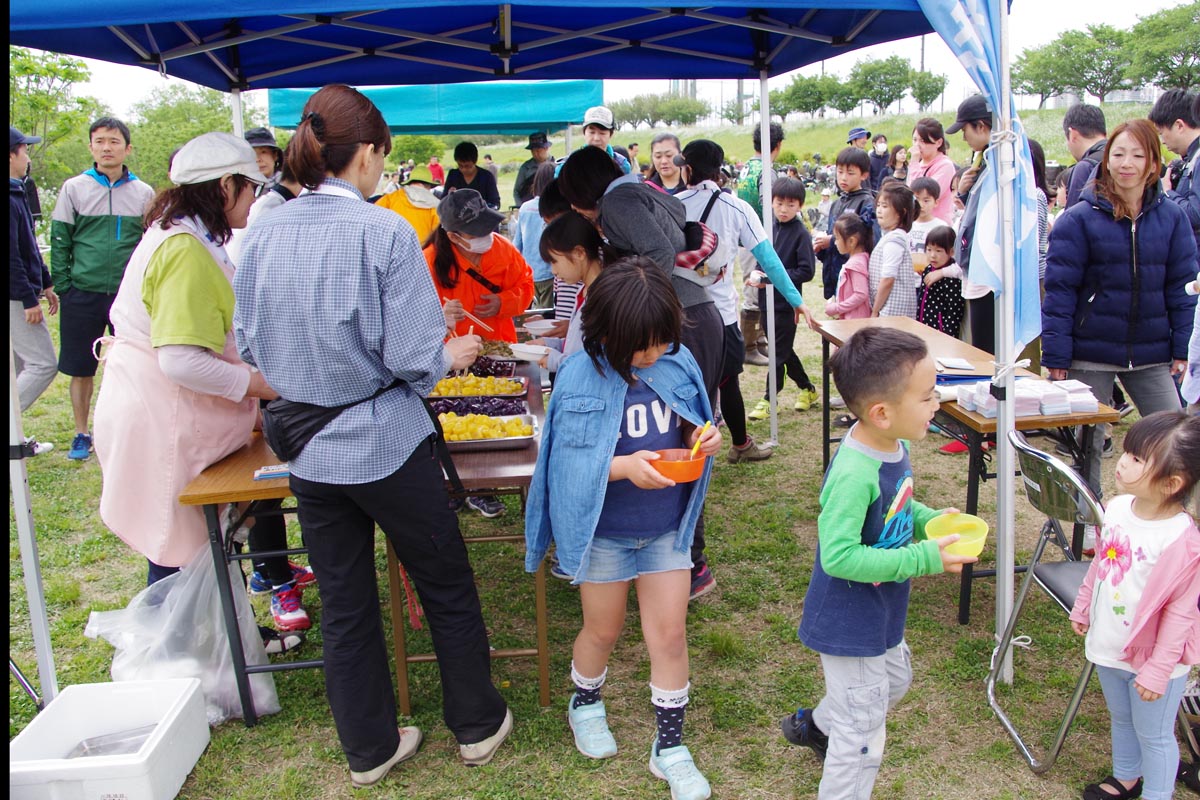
[(475, 385), (478, 426)]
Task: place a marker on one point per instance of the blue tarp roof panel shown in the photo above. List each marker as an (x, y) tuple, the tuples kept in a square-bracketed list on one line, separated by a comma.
[(289, 44)]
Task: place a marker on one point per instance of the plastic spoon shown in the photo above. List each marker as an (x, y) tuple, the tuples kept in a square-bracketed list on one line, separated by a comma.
[(696, 446)]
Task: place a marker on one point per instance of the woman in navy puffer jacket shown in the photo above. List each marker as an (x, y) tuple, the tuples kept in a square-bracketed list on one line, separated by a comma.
[(1115, 305)]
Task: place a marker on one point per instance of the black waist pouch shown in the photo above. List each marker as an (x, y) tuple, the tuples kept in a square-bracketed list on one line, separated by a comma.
[(289, 426)]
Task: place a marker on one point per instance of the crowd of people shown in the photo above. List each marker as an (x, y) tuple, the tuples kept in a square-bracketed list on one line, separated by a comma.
[(307, 284)]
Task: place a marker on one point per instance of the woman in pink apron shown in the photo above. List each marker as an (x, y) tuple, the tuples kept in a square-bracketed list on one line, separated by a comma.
[(176, 397)]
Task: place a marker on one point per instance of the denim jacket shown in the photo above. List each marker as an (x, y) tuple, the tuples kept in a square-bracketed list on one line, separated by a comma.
[(578, 443)]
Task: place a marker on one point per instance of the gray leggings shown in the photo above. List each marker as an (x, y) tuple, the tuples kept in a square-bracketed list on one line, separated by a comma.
[(1150, 389)]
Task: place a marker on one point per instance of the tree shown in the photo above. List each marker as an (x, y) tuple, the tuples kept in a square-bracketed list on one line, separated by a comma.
[(168, 119), (844, 97), (418, 148), (682, 110), (1166, 48), (781, 103), (734, 111), (808, 95), (1038, 71), (881, 81), (41, 103), (1095, 61), (926, 87)]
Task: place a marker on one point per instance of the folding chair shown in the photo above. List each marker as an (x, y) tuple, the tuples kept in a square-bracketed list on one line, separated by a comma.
[(1054, 489)]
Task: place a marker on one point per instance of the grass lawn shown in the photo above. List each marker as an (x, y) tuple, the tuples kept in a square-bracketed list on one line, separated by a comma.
[(748, 669)]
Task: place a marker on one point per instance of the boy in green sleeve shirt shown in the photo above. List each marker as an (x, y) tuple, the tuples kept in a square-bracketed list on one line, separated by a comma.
[(871, 541)]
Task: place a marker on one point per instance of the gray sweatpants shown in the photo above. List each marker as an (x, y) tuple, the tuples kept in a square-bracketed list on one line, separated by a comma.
[(36, 364), (1150, 389), (858, 694)]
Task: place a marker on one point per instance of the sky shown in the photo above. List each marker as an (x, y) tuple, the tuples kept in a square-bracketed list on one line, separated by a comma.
[(1032, 23)]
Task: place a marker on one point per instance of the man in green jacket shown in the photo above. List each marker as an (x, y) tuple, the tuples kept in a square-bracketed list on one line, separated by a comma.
[(97, 223)]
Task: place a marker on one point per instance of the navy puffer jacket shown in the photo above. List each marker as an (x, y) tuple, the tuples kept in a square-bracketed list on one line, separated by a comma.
[(1115, 288)]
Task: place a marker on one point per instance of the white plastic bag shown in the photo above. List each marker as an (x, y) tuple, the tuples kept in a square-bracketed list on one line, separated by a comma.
[(175, 629)]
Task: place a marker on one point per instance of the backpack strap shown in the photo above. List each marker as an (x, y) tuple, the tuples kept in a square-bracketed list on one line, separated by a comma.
[(712, 201)]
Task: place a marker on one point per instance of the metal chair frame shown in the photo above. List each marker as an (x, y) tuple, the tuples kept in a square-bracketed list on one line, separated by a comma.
[(1057, 491)]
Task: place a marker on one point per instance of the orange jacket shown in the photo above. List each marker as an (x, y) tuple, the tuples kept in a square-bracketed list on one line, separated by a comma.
[(504, 266)]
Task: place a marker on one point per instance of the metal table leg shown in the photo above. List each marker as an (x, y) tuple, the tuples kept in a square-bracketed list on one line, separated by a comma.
[(216, 541)]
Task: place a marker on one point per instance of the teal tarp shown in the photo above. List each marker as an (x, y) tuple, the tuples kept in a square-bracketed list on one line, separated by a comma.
[(512, 107)]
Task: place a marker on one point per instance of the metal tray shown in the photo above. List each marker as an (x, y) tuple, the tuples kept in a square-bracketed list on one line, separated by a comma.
[(508, 443), (519, 400), (507, 366), (524, 381)]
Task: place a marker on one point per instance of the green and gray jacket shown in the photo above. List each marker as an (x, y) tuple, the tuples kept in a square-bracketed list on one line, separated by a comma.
[(95, 228)]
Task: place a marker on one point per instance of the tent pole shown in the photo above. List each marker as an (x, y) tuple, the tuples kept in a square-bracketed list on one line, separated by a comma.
[(18, 482), (768, 174), (1005, 331), (235, 107)]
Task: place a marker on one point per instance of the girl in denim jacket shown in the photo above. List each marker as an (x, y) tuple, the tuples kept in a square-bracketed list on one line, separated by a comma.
[(1138, 604), (612, 516)]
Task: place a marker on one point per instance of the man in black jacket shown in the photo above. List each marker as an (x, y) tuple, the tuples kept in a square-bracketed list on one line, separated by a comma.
[(28, 282), (1086, 133)]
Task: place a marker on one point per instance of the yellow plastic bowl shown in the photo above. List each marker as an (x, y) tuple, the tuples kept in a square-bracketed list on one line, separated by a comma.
[(971, 529), (678, 465)]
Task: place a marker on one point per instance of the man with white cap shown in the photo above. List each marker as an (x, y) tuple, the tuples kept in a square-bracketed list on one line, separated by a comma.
[(598, 127)]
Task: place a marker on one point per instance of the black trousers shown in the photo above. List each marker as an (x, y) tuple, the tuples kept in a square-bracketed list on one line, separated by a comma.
[(704, 334), (338, 526), (983, 322), (270, 533), (785, 356)]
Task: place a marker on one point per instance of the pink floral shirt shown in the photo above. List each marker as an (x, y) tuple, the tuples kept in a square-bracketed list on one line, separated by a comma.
[(1126, 552)]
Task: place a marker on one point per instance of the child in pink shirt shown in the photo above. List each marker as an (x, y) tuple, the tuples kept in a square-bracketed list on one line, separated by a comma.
[(853, 238)]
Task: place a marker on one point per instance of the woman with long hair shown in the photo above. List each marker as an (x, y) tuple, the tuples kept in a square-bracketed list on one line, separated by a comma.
[(898, 162), (928, 159), (1116, 271), (176, 397), (336, 307)]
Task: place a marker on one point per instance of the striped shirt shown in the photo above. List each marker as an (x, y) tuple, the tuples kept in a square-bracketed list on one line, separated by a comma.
[(334, 302)]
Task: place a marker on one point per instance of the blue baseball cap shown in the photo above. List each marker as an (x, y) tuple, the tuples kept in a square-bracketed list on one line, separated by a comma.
[(15, 137)]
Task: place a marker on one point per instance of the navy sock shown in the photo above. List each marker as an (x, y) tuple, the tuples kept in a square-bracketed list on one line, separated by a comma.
[(585, 697), (670, 726)]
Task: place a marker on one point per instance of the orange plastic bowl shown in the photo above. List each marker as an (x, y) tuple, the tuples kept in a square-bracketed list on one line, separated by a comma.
[(678, 465)]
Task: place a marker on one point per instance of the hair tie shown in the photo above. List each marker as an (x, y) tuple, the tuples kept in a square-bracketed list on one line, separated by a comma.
[(315, 120)]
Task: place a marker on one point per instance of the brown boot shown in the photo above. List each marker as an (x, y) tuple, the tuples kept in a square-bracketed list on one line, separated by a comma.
[(750, 333)]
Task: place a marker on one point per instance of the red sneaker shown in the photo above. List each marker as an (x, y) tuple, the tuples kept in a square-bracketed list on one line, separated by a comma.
[(953, 448)]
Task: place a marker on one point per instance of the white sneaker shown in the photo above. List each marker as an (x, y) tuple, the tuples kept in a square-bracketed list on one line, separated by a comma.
[(479, 753), (410, 740), (38, 447), (836, 401)]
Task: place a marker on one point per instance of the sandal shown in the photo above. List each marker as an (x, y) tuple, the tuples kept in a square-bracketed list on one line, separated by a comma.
[(276, 643), (1095, 791), (844, 420)]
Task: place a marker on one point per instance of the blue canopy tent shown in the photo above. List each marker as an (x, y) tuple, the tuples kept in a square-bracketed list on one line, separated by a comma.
[(289, 43), (500, 107)]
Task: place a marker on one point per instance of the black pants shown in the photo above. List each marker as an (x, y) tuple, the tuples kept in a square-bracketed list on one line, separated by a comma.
[(983, 322), (270, 533), (729, 391), (704, 334), (338, 526), (785, 357)]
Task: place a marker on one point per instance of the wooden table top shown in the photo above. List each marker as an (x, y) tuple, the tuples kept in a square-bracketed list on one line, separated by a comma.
[(837, 331), (231, 480)]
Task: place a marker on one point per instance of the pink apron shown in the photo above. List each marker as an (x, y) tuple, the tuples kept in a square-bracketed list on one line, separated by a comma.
[(153, 436)]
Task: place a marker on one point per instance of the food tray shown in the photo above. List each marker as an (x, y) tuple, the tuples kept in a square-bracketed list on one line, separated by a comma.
[(504, 367), (459, 405), (507, 443), (524, 381)]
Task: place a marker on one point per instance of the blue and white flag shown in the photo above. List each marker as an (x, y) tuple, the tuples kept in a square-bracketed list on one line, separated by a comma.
[(971, 28)]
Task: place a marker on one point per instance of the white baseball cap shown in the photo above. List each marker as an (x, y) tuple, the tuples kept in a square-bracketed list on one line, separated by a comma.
[(211, 156), (600, 115)]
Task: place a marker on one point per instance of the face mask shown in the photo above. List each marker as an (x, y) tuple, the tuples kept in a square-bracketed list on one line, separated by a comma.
[(477, 246), (881, 148)]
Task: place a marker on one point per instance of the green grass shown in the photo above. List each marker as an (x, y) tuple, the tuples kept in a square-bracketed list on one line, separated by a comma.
[(747, 667)]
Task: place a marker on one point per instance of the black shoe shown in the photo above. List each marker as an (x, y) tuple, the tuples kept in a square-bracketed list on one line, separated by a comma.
[(844, 421), (800, 730)]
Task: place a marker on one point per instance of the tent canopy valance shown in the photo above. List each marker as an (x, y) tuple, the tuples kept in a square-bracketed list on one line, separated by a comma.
[(506, 107), (283, 43)]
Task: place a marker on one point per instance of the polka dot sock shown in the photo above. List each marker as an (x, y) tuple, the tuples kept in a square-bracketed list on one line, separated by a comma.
[(587, 690), (670, 708)]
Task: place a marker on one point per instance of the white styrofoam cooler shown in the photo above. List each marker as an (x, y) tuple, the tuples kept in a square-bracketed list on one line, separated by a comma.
[(38, 767)]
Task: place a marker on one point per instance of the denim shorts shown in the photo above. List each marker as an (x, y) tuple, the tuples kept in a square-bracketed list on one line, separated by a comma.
[(623, 558)]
